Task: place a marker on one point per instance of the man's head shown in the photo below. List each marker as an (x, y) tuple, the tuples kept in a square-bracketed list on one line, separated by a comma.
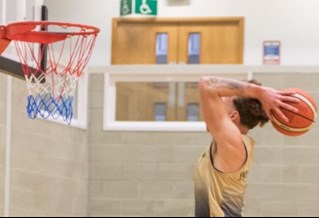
[(246, 112)]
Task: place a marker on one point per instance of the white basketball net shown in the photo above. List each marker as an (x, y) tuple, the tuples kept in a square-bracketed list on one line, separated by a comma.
[(52, 83)]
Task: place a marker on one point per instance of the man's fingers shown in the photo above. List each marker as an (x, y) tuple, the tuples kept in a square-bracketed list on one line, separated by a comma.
[(281, 115), (286, 93), (289, 98), (270, 115), (289, 107)]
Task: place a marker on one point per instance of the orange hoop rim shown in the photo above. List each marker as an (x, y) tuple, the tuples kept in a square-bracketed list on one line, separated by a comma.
[(28, 32)]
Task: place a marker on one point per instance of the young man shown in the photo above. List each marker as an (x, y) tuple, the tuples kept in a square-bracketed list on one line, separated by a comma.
[(231, 108)]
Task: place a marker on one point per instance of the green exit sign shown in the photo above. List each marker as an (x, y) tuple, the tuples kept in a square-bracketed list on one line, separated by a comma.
[(126, 7), (146, 7), (139, 7)]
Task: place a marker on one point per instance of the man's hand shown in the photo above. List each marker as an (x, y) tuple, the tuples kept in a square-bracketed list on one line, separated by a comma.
[(274, 101)]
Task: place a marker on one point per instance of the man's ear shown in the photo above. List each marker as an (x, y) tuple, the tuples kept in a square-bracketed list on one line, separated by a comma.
[(234, 116)]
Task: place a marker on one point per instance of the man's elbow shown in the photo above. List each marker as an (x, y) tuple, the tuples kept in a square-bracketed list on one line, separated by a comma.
[(204, 82), (207, 83), (202, 85), (208, 88)]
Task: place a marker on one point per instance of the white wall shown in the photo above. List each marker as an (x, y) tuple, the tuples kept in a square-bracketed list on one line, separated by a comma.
[(294, 22), (13, 10), (95, 12)]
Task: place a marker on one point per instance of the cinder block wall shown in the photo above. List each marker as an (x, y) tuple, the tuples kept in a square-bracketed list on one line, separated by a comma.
[(151, 174), (63, 171), (49, 169), (138, 173), (285, 178)]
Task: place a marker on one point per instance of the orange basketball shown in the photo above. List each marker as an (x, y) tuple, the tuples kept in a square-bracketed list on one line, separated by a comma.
[(301, 122)]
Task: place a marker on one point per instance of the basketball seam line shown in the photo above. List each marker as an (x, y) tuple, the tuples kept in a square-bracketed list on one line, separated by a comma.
[(285, 127), (303, 116), (305, 100)]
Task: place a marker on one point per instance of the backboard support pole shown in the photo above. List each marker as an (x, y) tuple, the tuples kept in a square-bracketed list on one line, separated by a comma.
[(11, 67)]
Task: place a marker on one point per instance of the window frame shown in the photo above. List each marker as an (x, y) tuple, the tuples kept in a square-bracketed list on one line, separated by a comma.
[(157, 73), (167, 73)]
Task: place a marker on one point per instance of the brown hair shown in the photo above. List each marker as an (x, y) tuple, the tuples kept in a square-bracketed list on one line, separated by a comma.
[(251, 110)]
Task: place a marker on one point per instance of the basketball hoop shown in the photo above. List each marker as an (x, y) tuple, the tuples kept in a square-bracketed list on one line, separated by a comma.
[(53, 57)]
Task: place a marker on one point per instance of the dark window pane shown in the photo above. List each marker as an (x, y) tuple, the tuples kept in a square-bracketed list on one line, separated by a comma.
[(161, 48), (193, 112), (194, 48), (160, 112)]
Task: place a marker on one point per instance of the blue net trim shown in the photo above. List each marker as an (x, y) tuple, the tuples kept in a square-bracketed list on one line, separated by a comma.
[(46, 106)]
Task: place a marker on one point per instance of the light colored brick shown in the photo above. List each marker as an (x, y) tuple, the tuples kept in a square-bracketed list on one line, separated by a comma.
[(157, 190), (37, 162), (265, 174), (308, 140), (120, 189), (272, 155), (100, 137), (97, 125), (175, 171), (138, 207), (96, 82), (101, 207), (166, 138), (252, 208), (300, 192), (96, 100), (270, 137), (184, 190), (290, 142), (301, 156), (43, 203), (308, 209), (140, 171), (96, 189), (308, 174), (188, 153), (175, 208), (106, 170), (42, 183), (263, 191), (291, 174), (279, 208)]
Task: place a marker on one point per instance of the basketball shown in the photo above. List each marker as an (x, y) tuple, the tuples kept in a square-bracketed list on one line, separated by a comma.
[(301, 122)]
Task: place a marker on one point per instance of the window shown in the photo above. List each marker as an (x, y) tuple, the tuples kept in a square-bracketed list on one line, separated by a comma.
[(160, 112), (157, 98), (161, 48), (194, 48), (142, 101), (193, 112), (155, 101)]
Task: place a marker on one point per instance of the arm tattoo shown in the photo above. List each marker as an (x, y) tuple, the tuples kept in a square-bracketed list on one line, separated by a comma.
[(228, 84)]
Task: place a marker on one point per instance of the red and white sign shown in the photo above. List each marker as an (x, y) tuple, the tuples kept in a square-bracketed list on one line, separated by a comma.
[(271, 52)]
